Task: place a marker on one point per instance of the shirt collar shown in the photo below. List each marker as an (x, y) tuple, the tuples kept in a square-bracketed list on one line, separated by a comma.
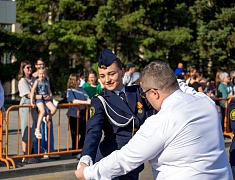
[(169, 99), (123, 90)]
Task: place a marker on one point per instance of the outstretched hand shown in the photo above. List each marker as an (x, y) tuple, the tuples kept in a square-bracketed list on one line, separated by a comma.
[(80, 172)]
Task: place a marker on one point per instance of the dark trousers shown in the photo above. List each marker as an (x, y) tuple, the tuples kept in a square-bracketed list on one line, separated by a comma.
[(222, 117), (78, 127)]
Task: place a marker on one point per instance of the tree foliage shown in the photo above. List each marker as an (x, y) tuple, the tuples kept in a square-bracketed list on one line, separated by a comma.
[(70, 33)]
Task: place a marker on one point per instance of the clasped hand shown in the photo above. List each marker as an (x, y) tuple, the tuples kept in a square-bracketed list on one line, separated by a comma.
[(46, 97), (80, 172)]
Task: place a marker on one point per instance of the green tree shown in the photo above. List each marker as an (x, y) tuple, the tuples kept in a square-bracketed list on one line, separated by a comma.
[(142, 31), (65, 31), (215, 32), (68, 34)]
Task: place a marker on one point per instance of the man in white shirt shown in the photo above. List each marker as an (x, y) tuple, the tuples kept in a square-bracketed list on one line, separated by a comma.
[(182, 141), (82, 78), (127, 78)]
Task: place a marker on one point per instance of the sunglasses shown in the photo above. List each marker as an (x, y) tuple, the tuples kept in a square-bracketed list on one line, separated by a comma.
[(143, 94), (29, 67)]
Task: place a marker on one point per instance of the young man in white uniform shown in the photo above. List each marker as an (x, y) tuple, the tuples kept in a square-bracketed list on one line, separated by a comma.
[(182, 141)]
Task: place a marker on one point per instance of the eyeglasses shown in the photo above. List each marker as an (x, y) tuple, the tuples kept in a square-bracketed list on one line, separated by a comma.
[(143, 94), (29, 67)]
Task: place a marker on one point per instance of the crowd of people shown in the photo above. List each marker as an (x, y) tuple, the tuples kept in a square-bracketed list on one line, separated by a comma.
[(122, 131), (222, 86)]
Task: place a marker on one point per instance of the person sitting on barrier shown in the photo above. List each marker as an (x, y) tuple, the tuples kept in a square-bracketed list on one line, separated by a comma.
[(41, 87), (77, 115), (179, 141), (44, 125), (25, 85)]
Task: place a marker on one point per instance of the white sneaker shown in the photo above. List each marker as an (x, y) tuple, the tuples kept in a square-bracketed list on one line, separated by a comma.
[(46, 156), (24, 160), (55, 102), (44, 120)]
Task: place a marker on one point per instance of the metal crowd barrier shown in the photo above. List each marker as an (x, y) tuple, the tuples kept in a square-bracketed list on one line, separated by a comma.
[(8, 156), (2, 142), (11, 135), (226, 130)]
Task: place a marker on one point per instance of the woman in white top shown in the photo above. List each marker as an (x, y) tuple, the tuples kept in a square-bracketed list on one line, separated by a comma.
[(25, 84)]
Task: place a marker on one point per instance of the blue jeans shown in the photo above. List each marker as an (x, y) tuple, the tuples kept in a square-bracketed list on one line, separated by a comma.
[(44, 140)]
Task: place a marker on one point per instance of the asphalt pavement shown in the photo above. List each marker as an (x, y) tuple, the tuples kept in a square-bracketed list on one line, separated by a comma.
[(66, 163)]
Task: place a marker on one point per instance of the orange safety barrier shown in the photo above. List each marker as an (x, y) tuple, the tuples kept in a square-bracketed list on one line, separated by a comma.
[(63, 140), (2, 147), (227, 131)]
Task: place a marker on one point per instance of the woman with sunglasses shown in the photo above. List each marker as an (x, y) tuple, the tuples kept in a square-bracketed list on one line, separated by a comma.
[(25, 84)]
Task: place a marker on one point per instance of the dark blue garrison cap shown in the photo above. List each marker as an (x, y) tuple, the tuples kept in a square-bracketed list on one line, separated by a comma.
[(106, 58)]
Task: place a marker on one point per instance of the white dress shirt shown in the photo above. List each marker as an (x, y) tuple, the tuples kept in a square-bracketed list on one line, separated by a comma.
[(182, 141)]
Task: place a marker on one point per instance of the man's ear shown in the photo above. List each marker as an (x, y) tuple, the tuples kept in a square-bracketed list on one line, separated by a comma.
[(156, 93)]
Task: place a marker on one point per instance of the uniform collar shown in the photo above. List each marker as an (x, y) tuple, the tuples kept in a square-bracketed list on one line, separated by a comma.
[(116, 101), (122, 90)]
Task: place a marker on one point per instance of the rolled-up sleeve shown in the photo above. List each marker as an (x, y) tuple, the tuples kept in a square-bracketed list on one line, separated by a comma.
[(70, 96), (145, 145)]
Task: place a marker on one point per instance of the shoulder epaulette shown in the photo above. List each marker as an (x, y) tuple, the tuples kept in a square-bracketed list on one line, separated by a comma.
[(100, 94)]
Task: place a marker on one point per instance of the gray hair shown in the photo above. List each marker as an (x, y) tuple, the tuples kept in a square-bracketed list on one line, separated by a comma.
[(158, 75), (222, 76)]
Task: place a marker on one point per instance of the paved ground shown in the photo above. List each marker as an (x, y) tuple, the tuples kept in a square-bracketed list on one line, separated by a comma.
[(66, 162), (69, 175), (62, 168)]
